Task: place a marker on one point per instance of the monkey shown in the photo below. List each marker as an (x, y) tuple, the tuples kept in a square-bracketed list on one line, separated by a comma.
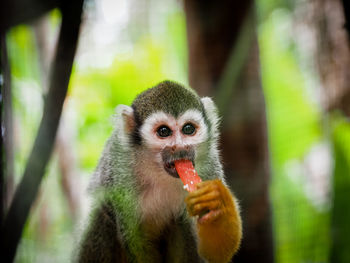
[(141, 211)]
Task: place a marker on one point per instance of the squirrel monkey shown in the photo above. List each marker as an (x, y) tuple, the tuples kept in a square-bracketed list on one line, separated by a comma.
[(141, 211)]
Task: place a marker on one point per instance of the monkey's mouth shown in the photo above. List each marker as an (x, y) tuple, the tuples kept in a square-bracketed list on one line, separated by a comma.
[(170, 168), (170, 155)]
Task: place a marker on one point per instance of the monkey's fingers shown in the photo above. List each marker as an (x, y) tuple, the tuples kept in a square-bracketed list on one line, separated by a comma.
[(211, 216), (204, 184), (225, 194), (203, 208), (203, 188), (192, 202), (207, 196), (213, 186)]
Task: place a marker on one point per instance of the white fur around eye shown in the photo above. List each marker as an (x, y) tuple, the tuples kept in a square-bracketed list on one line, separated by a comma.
[(150, 125), (195, 117), (148, 130)]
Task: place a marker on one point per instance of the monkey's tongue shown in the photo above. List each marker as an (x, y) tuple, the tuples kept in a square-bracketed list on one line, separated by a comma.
[(187, 174)]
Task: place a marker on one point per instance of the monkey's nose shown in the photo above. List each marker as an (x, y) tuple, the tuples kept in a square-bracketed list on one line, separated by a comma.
[(173, 148)]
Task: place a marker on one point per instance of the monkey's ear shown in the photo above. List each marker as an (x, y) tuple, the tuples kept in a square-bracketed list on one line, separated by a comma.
[(212, 113), (125, 118)]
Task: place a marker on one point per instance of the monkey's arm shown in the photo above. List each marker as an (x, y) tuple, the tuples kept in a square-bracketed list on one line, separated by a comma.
[(100, 243), (219, 230)]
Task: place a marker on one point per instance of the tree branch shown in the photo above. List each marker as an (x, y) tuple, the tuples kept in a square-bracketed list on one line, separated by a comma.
[(14, 12), (44, 142)]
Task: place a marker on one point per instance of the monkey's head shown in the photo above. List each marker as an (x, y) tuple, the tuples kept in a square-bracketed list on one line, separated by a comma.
[(171, 122)]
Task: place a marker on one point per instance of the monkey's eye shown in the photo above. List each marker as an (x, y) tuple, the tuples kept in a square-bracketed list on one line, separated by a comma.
[(164, 131), (188, 129)]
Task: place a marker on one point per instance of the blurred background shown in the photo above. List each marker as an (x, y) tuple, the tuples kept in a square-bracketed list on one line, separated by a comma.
[(278, 70)]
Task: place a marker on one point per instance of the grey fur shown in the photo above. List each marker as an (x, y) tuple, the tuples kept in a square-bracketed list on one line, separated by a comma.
[(115, 222)]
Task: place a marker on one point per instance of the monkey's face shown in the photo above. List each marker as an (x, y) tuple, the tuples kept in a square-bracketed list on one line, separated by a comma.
[(170, 138)]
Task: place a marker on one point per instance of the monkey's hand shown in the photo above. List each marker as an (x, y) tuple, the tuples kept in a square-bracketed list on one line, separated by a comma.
[(219, 224)]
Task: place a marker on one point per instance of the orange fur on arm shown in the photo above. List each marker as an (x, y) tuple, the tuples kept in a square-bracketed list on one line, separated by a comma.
[(219, 230)]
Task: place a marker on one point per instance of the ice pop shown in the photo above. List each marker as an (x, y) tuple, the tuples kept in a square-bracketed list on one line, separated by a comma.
[(188, 174)]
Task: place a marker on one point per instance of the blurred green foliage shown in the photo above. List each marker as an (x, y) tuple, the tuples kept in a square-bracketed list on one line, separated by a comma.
[(96, 92), (26, 91), (48, 231), (341, 185), (93, 94), (294, 127), (296, 124)]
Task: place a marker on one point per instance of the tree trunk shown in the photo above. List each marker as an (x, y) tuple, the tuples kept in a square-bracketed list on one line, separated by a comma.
[(224, 64), (332, 54)]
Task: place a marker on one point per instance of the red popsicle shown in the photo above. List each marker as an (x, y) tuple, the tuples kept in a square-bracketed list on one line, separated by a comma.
[(188, 174)]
